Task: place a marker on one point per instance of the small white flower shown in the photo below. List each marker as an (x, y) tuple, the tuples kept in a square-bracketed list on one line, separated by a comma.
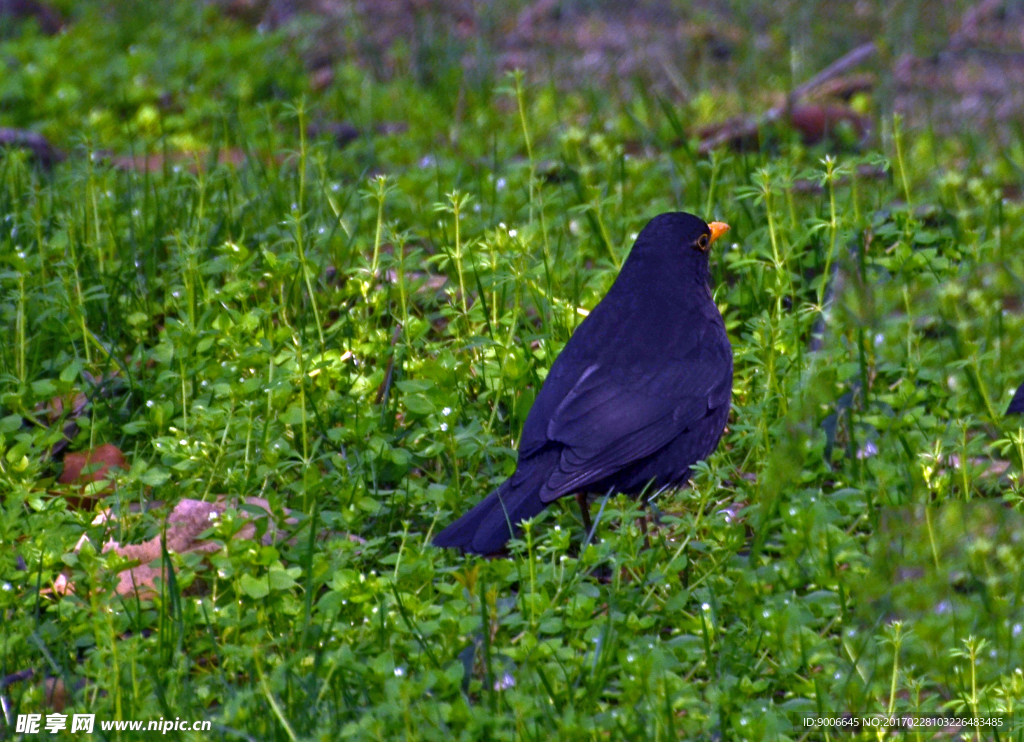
[(512, 233), (446, 411), (444, 427), (500, 185)]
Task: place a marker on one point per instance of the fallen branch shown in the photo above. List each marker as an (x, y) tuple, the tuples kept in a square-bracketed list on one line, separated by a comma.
[(746, 130), (45, 153), (842, 65)]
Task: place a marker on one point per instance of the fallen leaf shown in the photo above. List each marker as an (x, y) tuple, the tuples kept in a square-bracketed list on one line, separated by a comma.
[(186, 522), (189, 519), (56, 693), (83, 467)]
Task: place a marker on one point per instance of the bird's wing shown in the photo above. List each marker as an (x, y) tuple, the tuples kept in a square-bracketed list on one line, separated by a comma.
[(628, 382), (613, 416), (1017, 403)]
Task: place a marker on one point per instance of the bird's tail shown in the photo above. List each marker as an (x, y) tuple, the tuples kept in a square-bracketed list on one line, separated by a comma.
[(486, 528)]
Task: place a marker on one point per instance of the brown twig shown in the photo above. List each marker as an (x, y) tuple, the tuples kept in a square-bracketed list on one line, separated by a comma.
[(385, 386), (748, 129), (16, 677), (45, 153), (842, 65)]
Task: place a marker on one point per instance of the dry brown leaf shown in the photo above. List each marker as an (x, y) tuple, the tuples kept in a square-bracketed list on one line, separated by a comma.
[(186, 522), (813, 122), (56, 694), (189, 519), (99, 459), (55, 407), (61, 585)]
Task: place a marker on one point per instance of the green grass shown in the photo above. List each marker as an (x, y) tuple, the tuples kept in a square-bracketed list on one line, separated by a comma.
[(273, 330)]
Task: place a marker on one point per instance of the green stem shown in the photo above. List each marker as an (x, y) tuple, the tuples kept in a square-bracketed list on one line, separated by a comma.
[(300, 242), (897, 136)]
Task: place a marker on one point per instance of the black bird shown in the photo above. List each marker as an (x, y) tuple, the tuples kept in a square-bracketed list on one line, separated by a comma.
[(639, 393), (1017, 403)]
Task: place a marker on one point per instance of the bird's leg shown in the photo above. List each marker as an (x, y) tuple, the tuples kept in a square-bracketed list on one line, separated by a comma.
[(581, 500)]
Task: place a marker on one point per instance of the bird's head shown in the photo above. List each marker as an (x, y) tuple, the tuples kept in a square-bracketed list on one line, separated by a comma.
[(677, 241)]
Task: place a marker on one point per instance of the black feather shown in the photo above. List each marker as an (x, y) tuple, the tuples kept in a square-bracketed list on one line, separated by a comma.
[(1017, 403), (639, 393)]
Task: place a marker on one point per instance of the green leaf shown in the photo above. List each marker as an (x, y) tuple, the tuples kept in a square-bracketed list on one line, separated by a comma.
[(163, 353), (155, 476), (292, 416), (281, 580), (44, 388), (255, 588), (418, 404), (10, 423), (414, 385), (70, 372)]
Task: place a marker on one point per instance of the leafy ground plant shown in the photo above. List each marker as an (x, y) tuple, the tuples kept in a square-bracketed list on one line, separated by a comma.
[(333, 352)]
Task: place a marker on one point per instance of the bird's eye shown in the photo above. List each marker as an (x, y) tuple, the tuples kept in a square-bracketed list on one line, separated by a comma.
[(703, 241)]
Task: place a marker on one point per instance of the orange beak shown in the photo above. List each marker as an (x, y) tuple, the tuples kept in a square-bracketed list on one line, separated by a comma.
[(717, 230)]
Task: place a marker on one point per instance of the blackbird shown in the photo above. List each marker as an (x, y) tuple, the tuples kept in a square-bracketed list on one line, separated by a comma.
[(639, 393), (1017, 403)]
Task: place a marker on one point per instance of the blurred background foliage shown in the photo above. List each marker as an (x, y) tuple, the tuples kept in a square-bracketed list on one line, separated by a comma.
[(297, 269)]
